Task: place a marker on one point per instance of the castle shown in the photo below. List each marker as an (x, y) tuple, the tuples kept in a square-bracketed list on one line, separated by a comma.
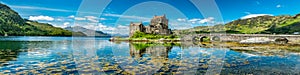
[(158, 25)]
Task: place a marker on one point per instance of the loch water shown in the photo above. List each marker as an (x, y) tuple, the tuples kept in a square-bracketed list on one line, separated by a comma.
[(97, 55)]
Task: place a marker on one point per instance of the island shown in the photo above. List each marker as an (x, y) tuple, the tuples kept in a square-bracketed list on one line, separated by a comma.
[(157, 31)]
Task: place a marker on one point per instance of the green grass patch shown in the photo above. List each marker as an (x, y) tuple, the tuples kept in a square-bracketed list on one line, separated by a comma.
[(141, 35), (207, 39)]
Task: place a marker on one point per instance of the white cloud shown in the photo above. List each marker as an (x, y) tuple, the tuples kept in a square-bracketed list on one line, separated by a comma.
[(48, 9), (255, 15), (102, 18), (59, 19), (71, 16), (61, 25), (194, 20), (207, 20), (41, 17), (91, 18), (102, 27), (88, 18), (181, 23), (181, 19), (40, 8), (118, 29), (278, 6), (128, 17), (121, 26), (79, 18), (175, 24), (201, 21), (66, 23)]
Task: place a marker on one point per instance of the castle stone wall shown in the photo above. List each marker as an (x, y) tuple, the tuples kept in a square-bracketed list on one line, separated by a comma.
[(158, 25), (136, 27)]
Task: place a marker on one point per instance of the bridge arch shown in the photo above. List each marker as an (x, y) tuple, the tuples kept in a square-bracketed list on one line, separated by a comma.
[(215, 38), (196, 38), (281, 40), (199, 38), (202, 38)]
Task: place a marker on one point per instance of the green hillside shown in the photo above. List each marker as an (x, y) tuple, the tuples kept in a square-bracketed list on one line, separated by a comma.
[(12, 24), (10, 21), (257, 25), (43, 29)]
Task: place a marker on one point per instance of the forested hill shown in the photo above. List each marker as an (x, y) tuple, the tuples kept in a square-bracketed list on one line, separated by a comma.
[(12, 24), (284, 24)]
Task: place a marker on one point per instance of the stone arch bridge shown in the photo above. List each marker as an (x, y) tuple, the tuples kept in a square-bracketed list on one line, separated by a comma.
[(239, 37)]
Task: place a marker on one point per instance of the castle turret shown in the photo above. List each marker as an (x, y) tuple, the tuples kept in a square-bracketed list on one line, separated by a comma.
[(159, 20), (159, 25), (135, 27)]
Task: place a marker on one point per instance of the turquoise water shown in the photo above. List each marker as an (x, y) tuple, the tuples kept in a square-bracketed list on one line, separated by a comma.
[(88, 55)]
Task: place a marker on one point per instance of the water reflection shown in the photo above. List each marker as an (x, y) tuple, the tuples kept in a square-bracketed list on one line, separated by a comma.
[(11, 50), (65, 55), (158, 51)]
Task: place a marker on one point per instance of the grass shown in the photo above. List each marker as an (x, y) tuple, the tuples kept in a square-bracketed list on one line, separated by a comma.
[(140, 35), (289, 22)]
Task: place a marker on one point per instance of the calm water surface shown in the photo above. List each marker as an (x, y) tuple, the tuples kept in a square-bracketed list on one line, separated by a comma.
[(88, 55)]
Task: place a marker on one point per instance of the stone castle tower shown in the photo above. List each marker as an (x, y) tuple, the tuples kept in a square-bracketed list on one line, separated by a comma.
[(158, 25)]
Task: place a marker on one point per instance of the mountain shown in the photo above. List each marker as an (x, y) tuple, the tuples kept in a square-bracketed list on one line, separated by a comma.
[(86, 31), (10, 21), (12, 24), (283, 24)]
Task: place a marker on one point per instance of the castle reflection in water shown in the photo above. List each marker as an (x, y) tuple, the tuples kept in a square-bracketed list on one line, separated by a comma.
[(154, 51)]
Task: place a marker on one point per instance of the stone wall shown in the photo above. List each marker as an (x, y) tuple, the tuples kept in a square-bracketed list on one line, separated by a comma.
[(135, 27), (294, 39), (148, 29)]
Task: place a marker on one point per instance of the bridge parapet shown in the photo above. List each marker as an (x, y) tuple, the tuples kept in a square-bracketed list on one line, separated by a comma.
[(240, 37)]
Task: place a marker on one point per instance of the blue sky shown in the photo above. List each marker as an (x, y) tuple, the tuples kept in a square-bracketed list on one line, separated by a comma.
[(119, 13)]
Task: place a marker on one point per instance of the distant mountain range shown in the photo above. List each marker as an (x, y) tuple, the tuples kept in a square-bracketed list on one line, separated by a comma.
[(12, 24), (283, 24), (86, 31)]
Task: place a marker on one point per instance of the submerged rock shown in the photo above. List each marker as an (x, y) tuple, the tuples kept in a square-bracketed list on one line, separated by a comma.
[(7, 71)]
